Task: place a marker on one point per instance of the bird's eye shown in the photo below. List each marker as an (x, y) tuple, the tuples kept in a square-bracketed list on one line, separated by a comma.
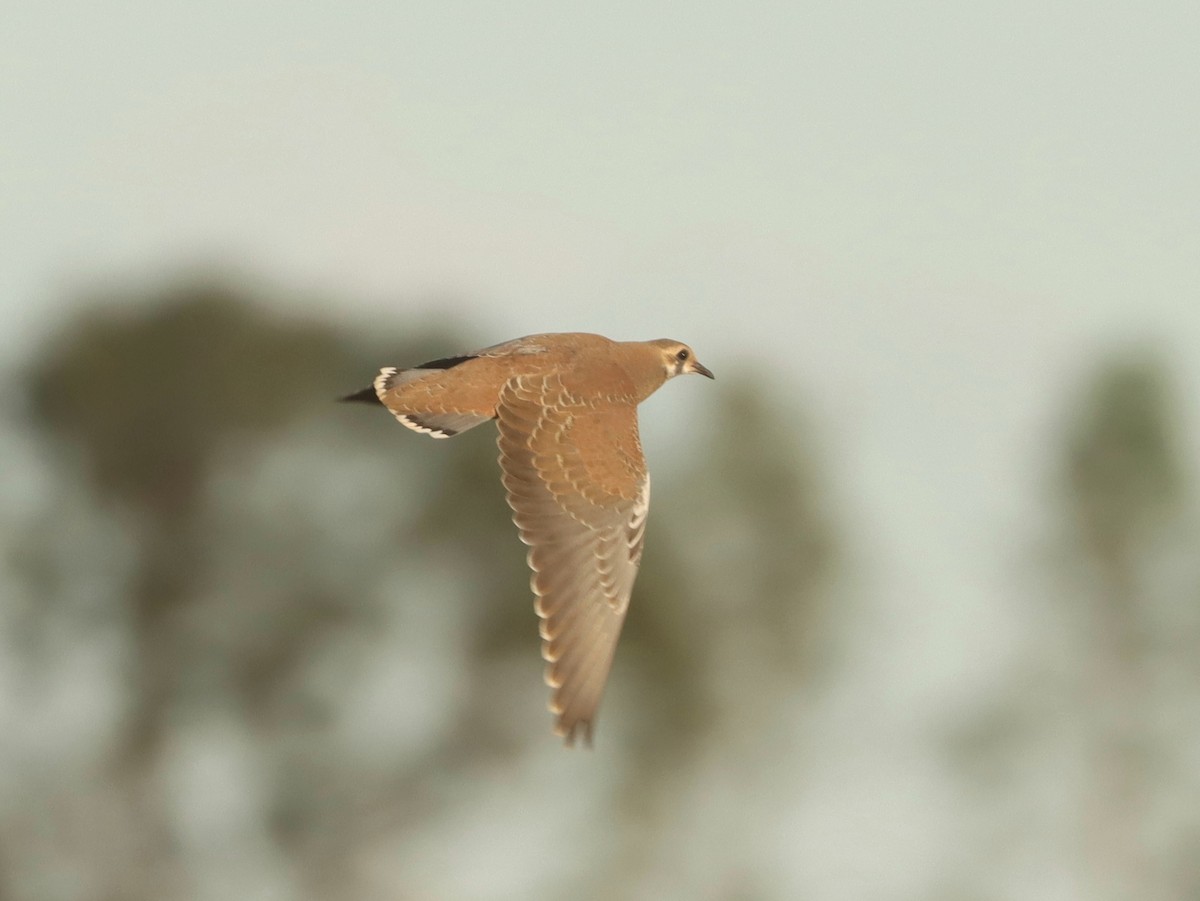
[(681, 356)]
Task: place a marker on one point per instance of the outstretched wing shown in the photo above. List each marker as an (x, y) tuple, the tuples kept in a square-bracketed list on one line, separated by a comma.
[(578, 487)]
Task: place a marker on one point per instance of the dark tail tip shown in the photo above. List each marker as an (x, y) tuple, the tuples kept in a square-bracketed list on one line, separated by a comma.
[(366, 396)]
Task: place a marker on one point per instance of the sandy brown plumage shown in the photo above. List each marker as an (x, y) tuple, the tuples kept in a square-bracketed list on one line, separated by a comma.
[(575, 477)]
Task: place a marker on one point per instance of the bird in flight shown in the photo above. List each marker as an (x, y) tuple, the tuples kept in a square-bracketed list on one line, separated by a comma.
[(572, 466)]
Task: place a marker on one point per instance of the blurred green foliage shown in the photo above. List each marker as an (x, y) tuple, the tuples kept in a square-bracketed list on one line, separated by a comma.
[(257, 644), (1123, 472), (1104, 699)]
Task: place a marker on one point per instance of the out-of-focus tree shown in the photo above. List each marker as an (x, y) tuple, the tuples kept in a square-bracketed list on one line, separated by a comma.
[(317, 632), (1124, 494), (145, 402), (733, 631), (1108, 690), (148, 403)]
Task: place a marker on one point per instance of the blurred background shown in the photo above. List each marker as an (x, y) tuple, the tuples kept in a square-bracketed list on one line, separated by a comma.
[(918, 617)]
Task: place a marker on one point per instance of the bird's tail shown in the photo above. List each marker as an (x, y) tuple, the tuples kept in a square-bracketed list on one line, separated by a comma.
[(366, 396)]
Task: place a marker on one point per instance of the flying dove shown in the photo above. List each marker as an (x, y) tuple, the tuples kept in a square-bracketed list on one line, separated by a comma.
[(574, 473)]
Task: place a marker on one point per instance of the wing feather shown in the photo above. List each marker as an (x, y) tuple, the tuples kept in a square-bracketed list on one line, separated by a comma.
[(583, 516)]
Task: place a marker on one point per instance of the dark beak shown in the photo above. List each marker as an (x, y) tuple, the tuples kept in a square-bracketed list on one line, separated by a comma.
[(702, 370)]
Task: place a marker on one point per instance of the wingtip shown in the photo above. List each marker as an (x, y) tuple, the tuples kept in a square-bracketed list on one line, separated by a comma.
[(568, 733), (365, 396)]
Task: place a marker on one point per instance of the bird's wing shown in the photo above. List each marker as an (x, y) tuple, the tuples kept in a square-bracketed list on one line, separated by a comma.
[(433, 399), (578, 487)]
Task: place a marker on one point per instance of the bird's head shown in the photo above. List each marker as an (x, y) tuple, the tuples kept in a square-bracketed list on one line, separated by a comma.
[(679, 359)]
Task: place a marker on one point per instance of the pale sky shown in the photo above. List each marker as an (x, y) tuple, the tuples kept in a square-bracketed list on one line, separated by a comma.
[(923, 221)]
